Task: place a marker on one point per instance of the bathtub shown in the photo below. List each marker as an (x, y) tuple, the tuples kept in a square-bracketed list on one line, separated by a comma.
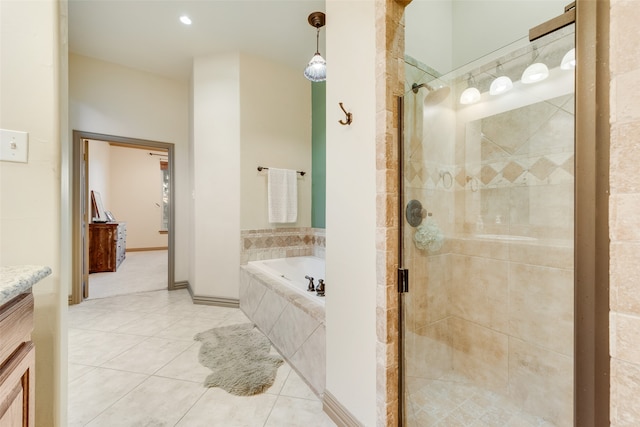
[(291, 272), (273, 295)]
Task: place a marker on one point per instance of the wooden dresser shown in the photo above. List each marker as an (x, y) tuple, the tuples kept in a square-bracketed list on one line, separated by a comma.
[(107, 246)]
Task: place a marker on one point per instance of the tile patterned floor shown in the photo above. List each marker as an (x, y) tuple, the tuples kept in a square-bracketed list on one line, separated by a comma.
[(140, 272), (451, 403), (133, 362)]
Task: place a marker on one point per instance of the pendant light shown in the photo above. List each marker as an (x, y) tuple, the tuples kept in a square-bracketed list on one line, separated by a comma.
[(316, 70), (501, 84), (470, 95)]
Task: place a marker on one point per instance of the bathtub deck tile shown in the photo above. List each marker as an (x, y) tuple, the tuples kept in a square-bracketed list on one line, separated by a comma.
[(269, 311), (254, 294), (292, 329), (310, 360)]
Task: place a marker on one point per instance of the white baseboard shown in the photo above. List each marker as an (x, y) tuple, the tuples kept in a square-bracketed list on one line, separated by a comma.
[(218, 301), (338, 413)]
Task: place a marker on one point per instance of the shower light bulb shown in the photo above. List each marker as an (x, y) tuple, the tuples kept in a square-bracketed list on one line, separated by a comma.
[(569, 60), (535, 73), (501, 85), (471, 95)]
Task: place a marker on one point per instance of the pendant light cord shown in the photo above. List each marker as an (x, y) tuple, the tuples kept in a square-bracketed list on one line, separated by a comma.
[(317, 40)]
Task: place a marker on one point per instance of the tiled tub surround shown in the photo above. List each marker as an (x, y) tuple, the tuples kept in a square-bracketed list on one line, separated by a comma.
[(294, 322), (492, 322), (273, 243)]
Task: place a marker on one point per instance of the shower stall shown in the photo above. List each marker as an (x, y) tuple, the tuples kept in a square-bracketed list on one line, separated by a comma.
[(488, 231)]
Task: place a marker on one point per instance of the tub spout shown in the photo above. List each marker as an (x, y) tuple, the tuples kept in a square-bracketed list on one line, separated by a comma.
[(310, 288), (320, 288)]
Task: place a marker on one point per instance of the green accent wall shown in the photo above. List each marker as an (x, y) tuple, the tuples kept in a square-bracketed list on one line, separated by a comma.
[(318, 154)]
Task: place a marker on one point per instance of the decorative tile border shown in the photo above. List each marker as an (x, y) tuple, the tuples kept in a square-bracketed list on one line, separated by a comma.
[(540, 170), (273, 243)]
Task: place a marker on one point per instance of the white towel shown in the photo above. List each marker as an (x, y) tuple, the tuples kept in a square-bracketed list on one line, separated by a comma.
[(282, 192)]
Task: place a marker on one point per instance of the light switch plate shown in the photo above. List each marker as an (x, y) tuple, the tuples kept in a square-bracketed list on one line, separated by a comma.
[(14, 146)]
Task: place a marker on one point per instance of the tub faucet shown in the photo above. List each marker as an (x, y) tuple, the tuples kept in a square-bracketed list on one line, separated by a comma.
[(320, 288), (310, 288)]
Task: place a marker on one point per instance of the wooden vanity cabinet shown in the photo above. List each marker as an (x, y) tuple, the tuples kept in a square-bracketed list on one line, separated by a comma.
[(17, 363), (107, 246)]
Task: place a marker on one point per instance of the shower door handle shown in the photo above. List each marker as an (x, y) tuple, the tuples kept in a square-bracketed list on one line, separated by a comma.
[(403, 280)]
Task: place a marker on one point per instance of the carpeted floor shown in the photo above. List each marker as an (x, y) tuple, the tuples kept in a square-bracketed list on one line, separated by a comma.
[(139, 272)]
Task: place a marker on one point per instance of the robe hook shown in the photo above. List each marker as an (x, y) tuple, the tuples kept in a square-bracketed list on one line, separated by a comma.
[(349, 116)]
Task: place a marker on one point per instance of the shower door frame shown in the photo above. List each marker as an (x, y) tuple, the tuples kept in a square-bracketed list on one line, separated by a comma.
[(591, 221)]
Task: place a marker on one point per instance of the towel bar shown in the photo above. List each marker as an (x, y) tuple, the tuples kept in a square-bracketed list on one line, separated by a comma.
[(260, 168)]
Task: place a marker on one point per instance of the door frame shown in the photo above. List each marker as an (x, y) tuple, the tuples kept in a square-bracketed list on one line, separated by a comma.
[(79, 244)]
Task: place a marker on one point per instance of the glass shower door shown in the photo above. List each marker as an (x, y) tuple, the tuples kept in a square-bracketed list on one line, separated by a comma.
[(488, 197)]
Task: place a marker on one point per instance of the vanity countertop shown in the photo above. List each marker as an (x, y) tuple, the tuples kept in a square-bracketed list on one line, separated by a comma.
[(18, 279)]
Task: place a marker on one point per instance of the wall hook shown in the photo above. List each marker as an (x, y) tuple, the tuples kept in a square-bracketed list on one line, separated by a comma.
[(349, 116)]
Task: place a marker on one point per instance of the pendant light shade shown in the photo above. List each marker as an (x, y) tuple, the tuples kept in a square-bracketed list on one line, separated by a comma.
[(470, 95), (569, 60), (535, 73), (316, 70), (501, 84)]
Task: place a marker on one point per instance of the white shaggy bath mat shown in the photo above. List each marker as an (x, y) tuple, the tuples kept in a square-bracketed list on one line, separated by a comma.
[(239, 357)]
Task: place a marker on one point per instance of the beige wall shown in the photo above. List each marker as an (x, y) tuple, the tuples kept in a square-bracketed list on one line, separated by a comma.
[(215, 168), (242, 119), (135, 196), (275, 111), (351, 207), (624, 207), (99, 171), (30, 196), (109, 99)]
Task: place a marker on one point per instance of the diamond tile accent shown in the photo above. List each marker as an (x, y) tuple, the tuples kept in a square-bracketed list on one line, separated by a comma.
[(542, 168), (434, 176), (487, 173), (512, 171), (461, 177), (569, 166), (247, 243)]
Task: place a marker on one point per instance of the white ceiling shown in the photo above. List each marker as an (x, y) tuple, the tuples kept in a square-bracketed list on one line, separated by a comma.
[(147, 34)]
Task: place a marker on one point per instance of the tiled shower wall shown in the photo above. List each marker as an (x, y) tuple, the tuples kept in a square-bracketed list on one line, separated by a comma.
[(274, 243), (624, 208), (496, 316)]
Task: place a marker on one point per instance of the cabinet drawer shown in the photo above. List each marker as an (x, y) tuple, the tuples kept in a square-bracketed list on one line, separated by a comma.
[(16, 324), (17, 380)]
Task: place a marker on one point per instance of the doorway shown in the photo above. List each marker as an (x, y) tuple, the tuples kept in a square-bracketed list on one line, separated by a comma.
[(82, 215)]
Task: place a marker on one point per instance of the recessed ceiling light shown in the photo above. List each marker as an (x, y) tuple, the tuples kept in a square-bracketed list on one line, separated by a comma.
[(185, 20)]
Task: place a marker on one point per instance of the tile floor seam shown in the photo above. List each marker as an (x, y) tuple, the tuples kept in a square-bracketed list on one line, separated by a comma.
[(190, 408), (116, 401), (120, 354), (275, 402), (170, 361)]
